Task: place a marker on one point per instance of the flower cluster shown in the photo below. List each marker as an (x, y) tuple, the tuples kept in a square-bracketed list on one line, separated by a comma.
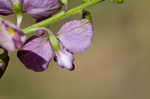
[(38, 50), (72, 38)]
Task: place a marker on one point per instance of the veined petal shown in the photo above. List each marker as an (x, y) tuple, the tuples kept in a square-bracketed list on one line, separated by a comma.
[(64, 59), (5, 7), (36, 53), (76, 36), (41, 9)]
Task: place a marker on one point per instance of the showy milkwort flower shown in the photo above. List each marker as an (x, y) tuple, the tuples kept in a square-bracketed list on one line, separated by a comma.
[(73, 37), (39, 9), (11, 37)]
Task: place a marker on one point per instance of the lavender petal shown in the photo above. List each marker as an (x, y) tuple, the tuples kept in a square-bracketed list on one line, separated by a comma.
[(76, 36), (36, 54), (64, 59), (5, 7), (41, 9)]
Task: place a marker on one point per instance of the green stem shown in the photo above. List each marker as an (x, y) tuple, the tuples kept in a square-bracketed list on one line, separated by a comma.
[(60, 16)]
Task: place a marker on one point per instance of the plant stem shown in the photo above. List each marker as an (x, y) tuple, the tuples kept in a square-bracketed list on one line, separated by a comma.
[(60, 16)]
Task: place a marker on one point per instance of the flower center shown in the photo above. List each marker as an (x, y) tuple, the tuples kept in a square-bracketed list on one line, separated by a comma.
[(11, 31)]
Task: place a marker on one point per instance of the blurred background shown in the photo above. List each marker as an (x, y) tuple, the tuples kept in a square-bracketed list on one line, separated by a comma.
[(116, 66)]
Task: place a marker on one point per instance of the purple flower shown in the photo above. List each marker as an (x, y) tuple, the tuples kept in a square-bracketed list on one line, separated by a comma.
[(39, 9), (11, 37), (5, 7), (74, 37), (36, 53)]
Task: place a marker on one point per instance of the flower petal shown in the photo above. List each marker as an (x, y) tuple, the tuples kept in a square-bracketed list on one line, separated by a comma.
[(41, 9), (10, 36), (6, 39), (5, 7), (65, 59), (36, 53), (76, 36)]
